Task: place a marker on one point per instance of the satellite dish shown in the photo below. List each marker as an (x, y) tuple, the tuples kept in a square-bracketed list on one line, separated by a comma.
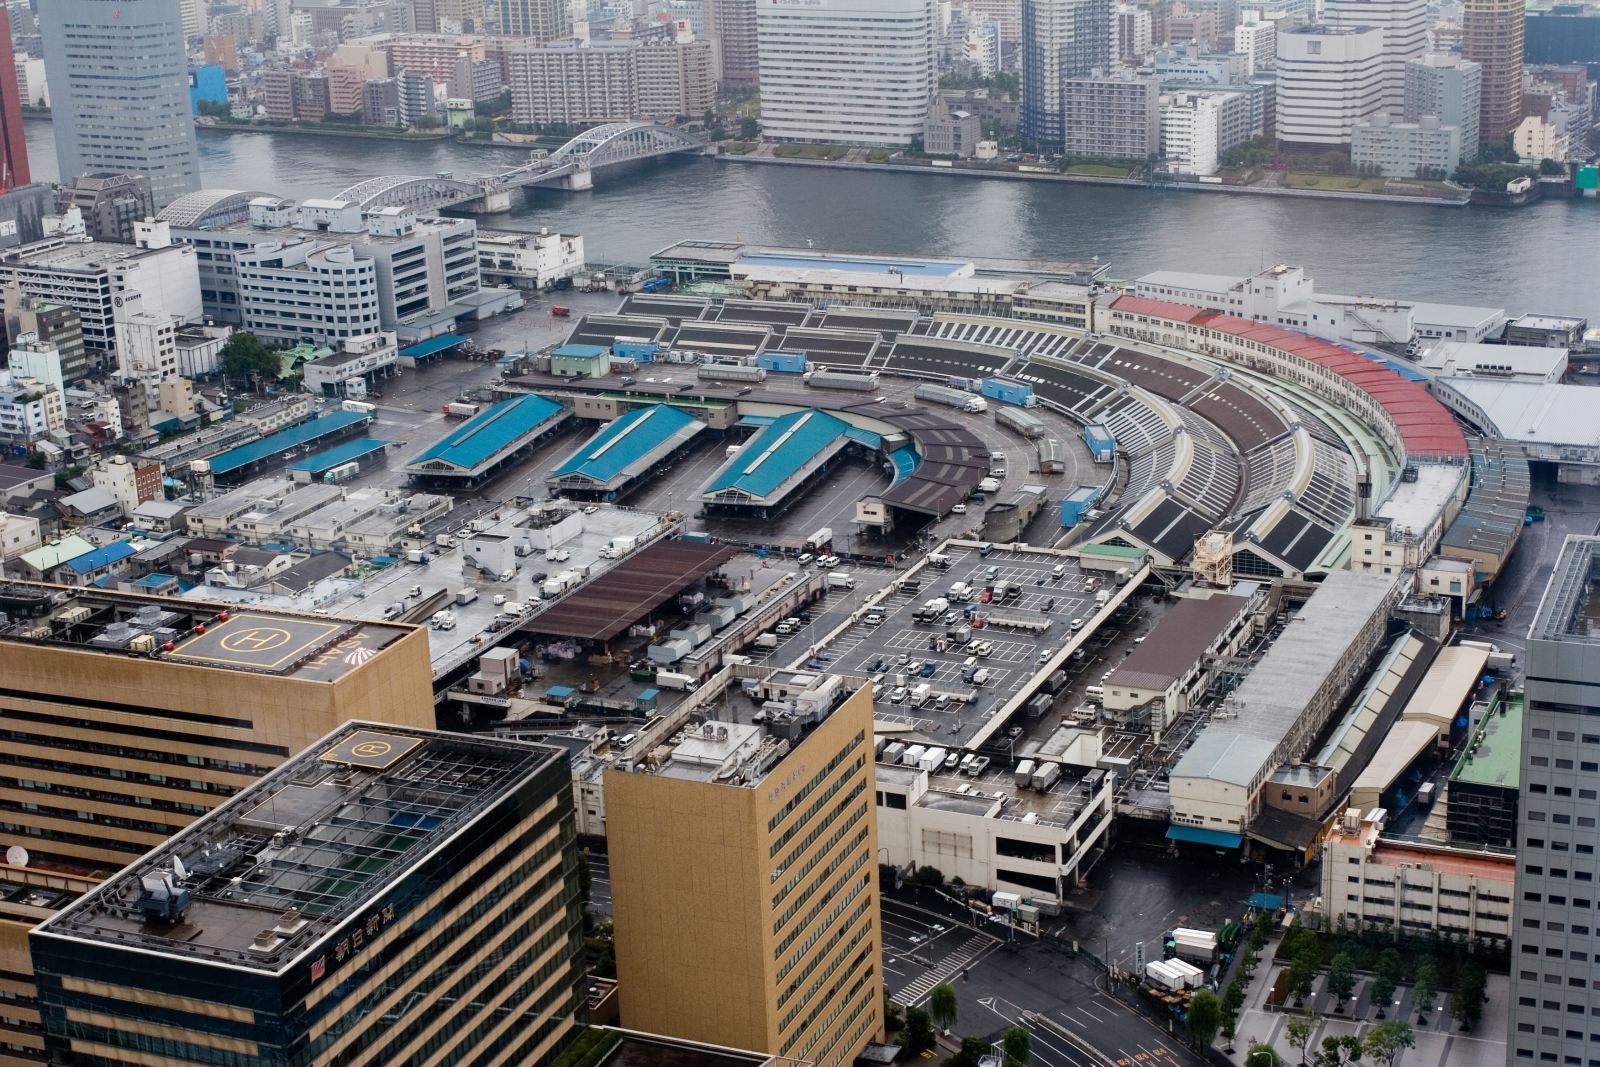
[(178, 868), (17, 856)]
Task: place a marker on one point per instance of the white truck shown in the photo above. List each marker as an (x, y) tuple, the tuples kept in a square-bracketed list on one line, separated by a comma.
[(919, 696), (961, 593), (767, 640), (821, 539), (466, 596), (674, 680), (841, 580), (989, 485)]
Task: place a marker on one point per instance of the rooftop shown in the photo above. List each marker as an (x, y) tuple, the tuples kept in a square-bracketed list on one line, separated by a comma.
[(77, 255), (1569, 611), (304, 848), (320, 462), (1496, 361), (630, 443), (491, 433), (1550, 322), (632, 589), (1539, 412), (1494, 755), (284, 440), (313, 648), (1177, 641), (778, 453)]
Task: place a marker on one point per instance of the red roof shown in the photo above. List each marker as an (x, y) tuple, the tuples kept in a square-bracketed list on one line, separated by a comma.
[(1426, 426)]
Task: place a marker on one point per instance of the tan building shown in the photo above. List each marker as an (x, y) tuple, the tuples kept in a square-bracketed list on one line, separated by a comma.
[(745, 881), (28, 896), (1492, 37), (676, 78)]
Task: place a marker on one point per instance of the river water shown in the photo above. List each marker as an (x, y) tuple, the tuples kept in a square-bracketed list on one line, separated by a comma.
[(1542, 259)]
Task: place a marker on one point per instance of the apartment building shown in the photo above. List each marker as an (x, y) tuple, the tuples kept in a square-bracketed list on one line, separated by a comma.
[(1421, 149), (1449, 88), (575, 83), (1492, 36), (1061, 40), (1191, 131), (1112, 118)]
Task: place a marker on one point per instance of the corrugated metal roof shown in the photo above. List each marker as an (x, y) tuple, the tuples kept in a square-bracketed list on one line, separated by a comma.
[(632, 589), (490, 433), (284, 440), (432, 345), (778, 453), (343, 453), (103, 556), (1177, 641), (629, 440)]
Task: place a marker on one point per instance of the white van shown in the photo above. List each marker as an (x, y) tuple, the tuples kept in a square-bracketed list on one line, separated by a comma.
[(1077, 624), (1095, 693), (981, 676), (1059, 571), (873, 618)]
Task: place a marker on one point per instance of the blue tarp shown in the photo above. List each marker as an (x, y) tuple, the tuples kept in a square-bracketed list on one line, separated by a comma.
[(1199, 835)]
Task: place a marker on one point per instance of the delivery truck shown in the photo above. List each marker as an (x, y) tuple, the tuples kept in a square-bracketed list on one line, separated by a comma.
[(841, 580)]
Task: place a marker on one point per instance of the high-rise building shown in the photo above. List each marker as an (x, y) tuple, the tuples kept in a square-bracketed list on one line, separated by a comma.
[(1061, 39), (847, 71), (389, 895), (1112, 118), (734, 24), (56, 325), (1492, 37), (1553, 993), (542, 20), (119, 89), (745, 885), (192, 17), (1132, 29), (1257, 40), (13, 140), (1329, 79), (1405, 37), (1449, 87), (1191, 129)]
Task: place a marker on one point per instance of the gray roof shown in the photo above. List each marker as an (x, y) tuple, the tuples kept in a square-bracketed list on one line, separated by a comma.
[(1177, 641)]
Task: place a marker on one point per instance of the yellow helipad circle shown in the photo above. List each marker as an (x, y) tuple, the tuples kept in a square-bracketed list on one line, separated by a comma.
[(372, 749), (255, 639)]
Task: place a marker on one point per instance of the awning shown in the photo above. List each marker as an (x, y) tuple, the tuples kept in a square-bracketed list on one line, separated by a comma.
[(1199, 835)]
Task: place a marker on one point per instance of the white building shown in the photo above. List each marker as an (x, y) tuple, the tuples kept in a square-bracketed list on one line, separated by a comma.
[(1329, 79), (1421, 149), (18, 534), (367, 356), (1519, 363), (1449, 87), (29, 410), (1409, 886), (1537, 139), (307, 290), (528, 260), (846, 71), (1256, 39), (1405, 37), (130, 482), (1190, 132), (36, 359)]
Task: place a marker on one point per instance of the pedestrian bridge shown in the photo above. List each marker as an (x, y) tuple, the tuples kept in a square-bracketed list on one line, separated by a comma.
[(572, 166)]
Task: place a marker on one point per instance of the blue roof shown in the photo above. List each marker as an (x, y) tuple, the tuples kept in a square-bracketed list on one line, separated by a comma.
[(486, 435), (432, 345), (283, 440), (865, 437), (153, 581), (905, 462), (326, 461), (778, 452), (1199, 835), (580, 351), (872, 264), (626, 440), (103, 556)]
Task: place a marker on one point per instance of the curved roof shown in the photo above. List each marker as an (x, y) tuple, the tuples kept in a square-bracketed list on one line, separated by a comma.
[(205, 208)]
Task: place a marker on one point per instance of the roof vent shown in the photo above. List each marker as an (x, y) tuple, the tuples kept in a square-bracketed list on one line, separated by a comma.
[(265, 943), (290, 922)]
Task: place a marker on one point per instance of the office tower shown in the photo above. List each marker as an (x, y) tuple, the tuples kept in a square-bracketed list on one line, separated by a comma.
[(119, 90), (388, 896), (1449, 87), (1061, 39), (744, 882), (192, 17), (1492, 37), (542, 20), (127, 717), (1329, 79), (1554, 998), (13, 140), (1405, 37), (734, 24), (853, 72), (56, 325)]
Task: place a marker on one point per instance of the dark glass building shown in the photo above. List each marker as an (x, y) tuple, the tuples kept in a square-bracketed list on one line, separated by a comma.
[(385, 897)]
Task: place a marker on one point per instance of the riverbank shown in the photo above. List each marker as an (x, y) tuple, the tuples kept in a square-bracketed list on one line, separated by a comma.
[(365, 133), (1101, 180)]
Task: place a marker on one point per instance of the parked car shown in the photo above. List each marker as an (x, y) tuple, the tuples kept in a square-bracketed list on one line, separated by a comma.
[(959, 509), (898, 695)]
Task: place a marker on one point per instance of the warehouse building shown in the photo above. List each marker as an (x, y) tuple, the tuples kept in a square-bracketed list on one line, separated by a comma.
[(488, 442), (1172, 668), (785, 455), (626, 449)]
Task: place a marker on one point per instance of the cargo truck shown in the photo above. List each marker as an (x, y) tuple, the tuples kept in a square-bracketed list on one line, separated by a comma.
[(733, 372), (919, 697), (1044, 776), (819, 540), (841, 580), (1024, 773), (767, 640), (342, 473), (828, 379), (359, 405), (458, 409), (673, 680)]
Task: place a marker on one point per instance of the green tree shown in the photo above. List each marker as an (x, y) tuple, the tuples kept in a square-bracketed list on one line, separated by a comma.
[(1552, 167), (943, 1006), (918, 1033), (1262, 1056), (1425, 990), (427, 121), (1341, 979), (928, 876), (893, 1018), (1302, 970), (244, 357), (1387, 1042), (1298, 1033), (1016, 1047), (1386, 976), (1204, 1017), (1338, 1051), (749, 128), (1467, 1004), (973, 1050)]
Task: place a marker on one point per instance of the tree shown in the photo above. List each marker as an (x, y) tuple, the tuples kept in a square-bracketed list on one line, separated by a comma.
[(1204, 1017), (1232, 1003), (1467, 1004), (427, 121), (973, 1050), (1341, 979), (928, 876), (1338, 1051), (943, 1006), (1425, 990), (1298, 1033), (893, 1019), (1386, 1042), (1552, 166), (1262, 1056), (1385, 978), (245, 357), (1302, 971), (749, 128), (1016, 1047), (918, 1032)]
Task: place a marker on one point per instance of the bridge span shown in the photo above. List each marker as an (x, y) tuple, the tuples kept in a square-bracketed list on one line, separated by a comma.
[(572, 166)]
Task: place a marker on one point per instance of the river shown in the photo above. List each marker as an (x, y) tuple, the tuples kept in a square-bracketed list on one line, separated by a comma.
[(1542, 259)]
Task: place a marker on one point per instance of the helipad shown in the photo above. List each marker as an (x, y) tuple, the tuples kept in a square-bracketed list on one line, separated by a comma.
[(260, 642)]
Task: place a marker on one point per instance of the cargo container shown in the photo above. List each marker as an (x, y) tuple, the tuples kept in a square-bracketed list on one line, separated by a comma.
[(913, 755), (951, 398), (640, 351), (783, 362), (344, 472), (893, 752), (931, 760), (458, 409), (732, 372), (1039, 705), (767, 640), (1008, 392), (466, 596), (1024, 773), (833, 379), (1029, 426), (1102, 446), (1055, 682), (670, 651), (359, 405), (1077, 502), (1005, 901), (1045, 775), (674, 680), (1197, 946)]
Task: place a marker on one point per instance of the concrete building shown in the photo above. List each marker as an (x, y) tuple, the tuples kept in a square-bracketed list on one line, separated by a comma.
[(129, 481), (1062, 41), (1409, 887), (1536, 138), (1131, 27), (380, 102), (39, 360), (394, 861), (1329, 79), (418, 102), (542, 20), (788, 961), (1552, 967), (1405, 38), (677, 78), (1165, 676), (733, 24), (1518, 363), (847, 71), (18, 534), (1257, 40), (575, 83), (110, 204), (1190, 132), (1111, 118), (1421, 149), (132, 116), (1492, 37), (29, 409), (1449, 87), (528, 260), (951, 131), (1550, 331)]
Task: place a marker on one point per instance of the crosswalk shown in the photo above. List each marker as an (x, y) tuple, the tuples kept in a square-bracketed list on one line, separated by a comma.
[(969, 952)]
